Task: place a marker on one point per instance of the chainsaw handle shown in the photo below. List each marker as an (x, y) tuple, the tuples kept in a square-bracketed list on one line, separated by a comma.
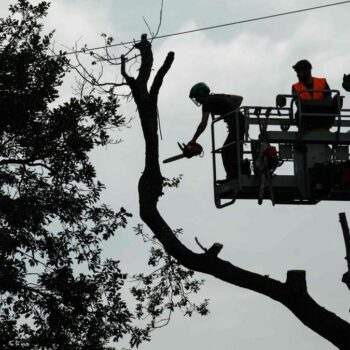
[(182, 147)]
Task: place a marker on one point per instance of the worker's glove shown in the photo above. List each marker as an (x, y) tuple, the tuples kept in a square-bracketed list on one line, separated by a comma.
[(192, 149)]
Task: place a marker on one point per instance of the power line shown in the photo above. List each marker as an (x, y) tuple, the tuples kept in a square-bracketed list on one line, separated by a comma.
[(214, 27)]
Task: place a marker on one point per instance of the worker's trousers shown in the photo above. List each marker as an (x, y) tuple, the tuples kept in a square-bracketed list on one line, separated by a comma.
[(229, 153)]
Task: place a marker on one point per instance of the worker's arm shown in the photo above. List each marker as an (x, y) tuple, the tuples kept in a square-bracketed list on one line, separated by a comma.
[(201, 127)]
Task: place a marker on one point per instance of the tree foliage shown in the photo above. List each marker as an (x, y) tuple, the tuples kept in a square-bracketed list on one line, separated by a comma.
[(56, 290), (50, 214)]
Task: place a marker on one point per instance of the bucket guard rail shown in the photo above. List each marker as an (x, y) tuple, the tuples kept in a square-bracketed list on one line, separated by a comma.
[(305, 149)]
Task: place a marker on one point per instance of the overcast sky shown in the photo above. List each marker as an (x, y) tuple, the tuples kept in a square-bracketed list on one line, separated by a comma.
[(253, 60)]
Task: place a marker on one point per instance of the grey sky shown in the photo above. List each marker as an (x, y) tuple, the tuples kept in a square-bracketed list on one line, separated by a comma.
[(253, 60)]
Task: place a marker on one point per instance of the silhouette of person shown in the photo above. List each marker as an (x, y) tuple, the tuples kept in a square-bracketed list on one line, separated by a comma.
[(220, 104)]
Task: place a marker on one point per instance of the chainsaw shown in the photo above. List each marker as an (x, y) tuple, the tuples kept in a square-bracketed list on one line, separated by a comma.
[(188, 151)]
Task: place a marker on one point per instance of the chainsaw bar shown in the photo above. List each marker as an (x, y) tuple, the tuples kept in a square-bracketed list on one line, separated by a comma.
[(179, 156), (195, 149), (171, 159)]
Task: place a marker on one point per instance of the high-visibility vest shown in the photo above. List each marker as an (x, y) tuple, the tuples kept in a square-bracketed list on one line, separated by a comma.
[(319, 84)]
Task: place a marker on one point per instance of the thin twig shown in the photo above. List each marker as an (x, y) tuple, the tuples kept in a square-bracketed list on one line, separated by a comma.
[(197, 241), (160, 18)]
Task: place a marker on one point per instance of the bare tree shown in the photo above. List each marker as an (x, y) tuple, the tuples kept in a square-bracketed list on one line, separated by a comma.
[(292, 293)]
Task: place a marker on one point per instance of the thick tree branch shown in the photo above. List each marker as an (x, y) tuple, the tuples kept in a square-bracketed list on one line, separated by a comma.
[(296, 280), (158, 79), (292, 294)]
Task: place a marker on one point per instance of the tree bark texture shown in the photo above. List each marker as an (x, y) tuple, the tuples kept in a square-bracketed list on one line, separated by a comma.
[(292, 294)]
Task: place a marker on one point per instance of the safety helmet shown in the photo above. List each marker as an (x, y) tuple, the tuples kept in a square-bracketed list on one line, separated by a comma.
[(199, 90)]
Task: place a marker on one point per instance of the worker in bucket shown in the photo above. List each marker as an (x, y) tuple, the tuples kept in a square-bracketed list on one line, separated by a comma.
[(221, 104), (306, 81)]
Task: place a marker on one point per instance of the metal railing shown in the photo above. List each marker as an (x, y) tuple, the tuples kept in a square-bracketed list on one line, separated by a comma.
[(277, 116)]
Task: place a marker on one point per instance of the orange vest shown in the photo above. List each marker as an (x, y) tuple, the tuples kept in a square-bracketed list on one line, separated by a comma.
[(319, 84)]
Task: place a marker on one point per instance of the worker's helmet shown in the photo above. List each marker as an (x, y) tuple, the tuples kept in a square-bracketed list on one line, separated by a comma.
[(199, 90), (301, 65)]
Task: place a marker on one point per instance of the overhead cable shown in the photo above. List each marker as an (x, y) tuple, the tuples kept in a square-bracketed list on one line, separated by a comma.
[(214, 27)]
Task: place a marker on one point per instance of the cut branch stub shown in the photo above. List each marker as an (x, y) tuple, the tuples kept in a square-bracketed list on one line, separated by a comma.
[(296, 280), (214, 250), (145, 48)]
